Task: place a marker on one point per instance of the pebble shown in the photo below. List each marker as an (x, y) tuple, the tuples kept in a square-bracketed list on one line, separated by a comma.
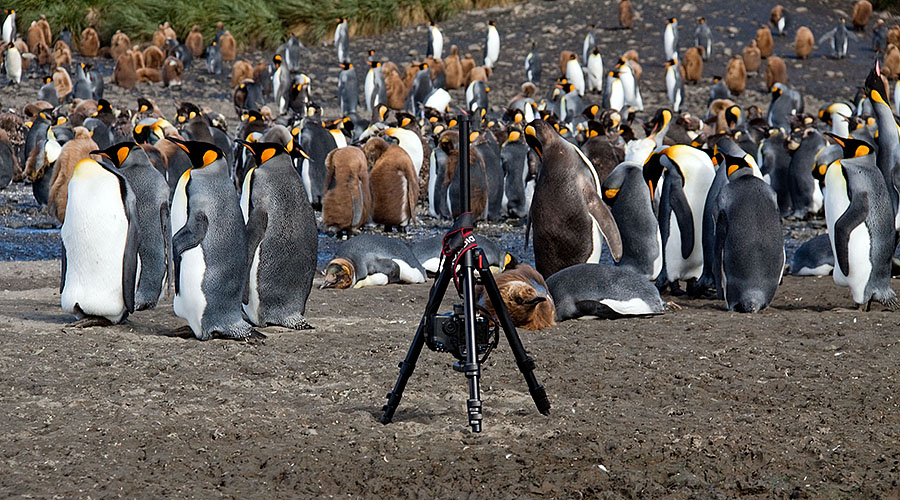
[(688, 7)]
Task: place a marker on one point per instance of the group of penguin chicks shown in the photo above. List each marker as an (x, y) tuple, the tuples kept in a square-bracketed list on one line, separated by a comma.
[(136, 216)]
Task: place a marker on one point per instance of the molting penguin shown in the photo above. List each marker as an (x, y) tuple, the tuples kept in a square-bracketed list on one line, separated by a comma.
[(777, 19), (749, 244), (99, 254), (281, 234), (567, 214), (151, 220), (208, 246), (689, 172), (601, 291), (491, 45), (860, 226), (371, 260), (814, 257)]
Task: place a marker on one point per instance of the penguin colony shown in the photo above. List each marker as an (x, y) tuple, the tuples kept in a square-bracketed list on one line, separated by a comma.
[(228, 220)]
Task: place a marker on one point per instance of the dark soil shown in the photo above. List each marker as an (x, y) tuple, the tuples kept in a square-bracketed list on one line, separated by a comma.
[(799, 401)]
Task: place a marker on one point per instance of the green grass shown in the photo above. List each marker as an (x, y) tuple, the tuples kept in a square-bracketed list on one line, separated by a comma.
[(260, 24)]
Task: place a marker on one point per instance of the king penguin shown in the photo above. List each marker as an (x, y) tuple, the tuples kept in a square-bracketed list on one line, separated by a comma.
[(372, 260), (670, 38), (491, 45), (888, 158), (209, 246), (342, 39), (749, 244), (595, 71), (689, 172), (703, 37), (152, 221), (575, 74), (533, 65), (674, 84), (99, 253), (348, 89), (435, 41), (282, 239), (629, 200), (567, 215), (590, 41), (859, 219)]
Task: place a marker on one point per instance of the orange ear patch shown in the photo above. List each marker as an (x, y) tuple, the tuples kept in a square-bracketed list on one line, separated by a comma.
[(209, 157), (267, 155), (122, 153)]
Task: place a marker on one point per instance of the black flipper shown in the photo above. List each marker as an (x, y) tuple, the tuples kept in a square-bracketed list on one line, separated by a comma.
[(848, 221), (62, 274), (718, 266), (165, 220), (186, 238), (129, 264), (682, 210)]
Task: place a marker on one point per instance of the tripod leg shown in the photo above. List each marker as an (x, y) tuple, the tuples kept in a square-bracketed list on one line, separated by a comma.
[(409, 363), (523, 360), (471, 368)]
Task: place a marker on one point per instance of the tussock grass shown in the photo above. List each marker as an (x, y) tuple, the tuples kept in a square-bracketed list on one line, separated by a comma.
[(260, 24)]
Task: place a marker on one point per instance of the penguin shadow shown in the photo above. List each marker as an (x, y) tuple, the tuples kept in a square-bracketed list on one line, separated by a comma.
[(414, 415), (62, 320)]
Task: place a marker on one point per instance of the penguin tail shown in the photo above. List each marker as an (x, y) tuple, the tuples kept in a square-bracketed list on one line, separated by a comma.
[(888, 299)]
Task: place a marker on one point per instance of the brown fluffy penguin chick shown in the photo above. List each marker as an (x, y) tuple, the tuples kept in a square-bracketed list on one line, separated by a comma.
[(525, 296), (862, 11), (153, 57), (137, 57), (764, 41), (564, 57), (90, 42), (35, 35), (449, 143), (172, 72), (626, 16), (125, 74), (73, 151), (194, 41), (395, 189), (776, 71), (453, 69), (373, 149), (693, 64), (62, 82), (803, 42), (752, 57), (149, 75), (634, 61), (347, 202), (119, 45), (241, 71), (736, 75), (891, 67), (62, 55), (159, 36), (169, 32), (479, 73), (467, 63), (228, 47), (394, 88)]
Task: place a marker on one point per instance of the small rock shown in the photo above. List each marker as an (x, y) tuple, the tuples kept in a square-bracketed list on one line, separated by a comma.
[(801, 10), (727, 51), (733, 30), (688, 7)]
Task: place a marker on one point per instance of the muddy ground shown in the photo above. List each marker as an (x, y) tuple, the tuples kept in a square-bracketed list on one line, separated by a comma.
[(799, 401)]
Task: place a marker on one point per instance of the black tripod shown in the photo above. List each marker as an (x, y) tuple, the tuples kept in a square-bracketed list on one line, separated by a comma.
[(461, 252)]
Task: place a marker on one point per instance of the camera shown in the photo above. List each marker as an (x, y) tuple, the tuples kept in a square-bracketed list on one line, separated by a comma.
[(447, 333)]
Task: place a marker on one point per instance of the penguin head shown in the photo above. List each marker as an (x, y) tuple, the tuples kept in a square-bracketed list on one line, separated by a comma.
[(339, 273), (653, 170), (875, 85), (144, 104), (776, 91), (264, 151), (701, 20), (492, 23), (202, 154), (660, 121), (536, 133), (732, 115), (852, 148), (736, 166), (276, 60), (671, 20), (117, 153)]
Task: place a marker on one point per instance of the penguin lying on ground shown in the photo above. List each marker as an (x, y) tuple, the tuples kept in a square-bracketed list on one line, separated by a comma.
[(428, 253), (602, 291), (813, 258), (370, 260), (525, 296)]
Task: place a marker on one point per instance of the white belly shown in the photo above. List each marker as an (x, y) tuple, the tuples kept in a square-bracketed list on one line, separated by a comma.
[(630, 307), (252, 307), (409, 274), (94, 235), (190, 302), (677, 267), (596, 242)]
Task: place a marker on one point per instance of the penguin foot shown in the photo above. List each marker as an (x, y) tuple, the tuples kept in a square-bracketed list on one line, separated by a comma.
[(675, 289), (297, 322), (90, 321), (890, 302)]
